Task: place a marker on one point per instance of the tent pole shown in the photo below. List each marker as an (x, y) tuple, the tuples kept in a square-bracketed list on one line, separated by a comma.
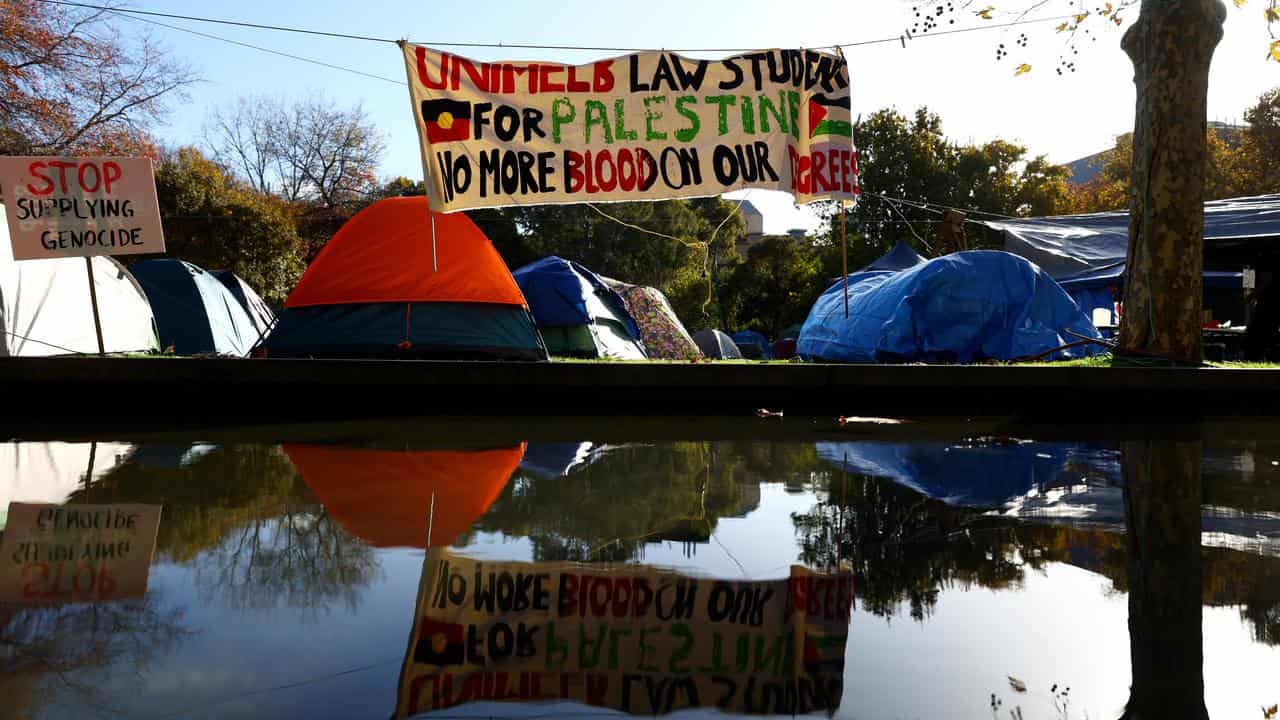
[(433, 238), (844, 261), (93, 300)]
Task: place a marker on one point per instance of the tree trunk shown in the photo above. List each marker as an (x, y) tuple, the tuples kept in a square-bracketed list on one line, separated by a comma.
[(1162, 523), (1171, 46)]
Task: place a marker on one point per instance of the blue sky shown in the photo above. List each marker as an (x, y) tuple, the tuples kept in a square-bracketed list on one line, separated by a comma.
[(959, 77)]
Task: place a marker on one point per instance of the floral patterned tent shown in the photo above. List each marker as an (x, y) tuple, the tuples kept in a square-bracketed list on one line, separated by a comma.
[(664, 336)]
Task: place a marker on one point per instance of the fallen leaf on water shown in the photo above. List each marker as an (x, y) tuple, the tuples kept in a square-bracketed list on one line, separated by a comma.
[(1062, 27), (1269, 713), (1275, 51), (1081, 17), (985, 13), (1240, 3), (1023, 69), (1017, 684), (1272, 14), (762, 412)]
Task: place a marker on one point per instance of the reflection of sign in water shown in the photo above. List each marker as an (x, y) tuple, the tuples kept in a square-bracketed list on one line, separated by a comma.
[(632, 638), (76, 553)]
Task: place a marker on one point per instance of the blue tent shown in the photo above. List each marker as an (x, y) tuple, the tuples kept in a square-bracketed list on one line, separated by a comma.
[(557, 459), (901, 257), (194, 312), (1091, 289), (752, 345), (576, 312), (1069, 244), (961, 307), (260, 313)]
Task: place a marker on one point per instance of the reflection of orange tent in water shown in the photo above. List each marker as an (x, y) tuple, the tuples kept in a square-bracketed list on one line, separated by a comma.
[(384, 497)]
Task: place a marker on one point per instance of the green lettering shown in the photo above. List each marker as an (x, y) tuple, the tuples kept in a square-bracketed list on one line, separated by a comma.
[(613, 645), (724, 101), (695, 122), (767, 108), (776, 657), (717, 666), (646, 649), (620, 130), (555, 646), (595, 114), (681, 654), (793, 103), (748, 115), (651, 116), (586, 645), (559, 117)]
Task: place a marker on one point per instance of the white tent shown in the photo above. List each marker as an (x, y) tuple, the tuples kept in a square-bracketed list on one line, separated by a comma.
[(48, 472), (45, 307)]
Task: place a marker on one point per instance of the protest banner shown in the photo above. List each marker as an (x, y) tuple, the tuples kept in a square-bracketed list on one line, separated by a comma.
[(76, 553), (644, 126), (629, 638)]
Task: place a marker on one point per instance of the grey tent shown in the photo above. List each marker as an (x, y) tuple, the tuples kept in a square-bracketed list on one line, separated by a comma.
[(1236, 232), (45, 307), (716, 345), (900, 257), (195, 313), (260, 313)]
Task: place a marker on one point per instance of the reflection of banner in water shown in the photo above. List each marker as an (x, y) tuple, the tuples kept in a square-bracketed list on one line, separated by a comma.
[(631, 638)]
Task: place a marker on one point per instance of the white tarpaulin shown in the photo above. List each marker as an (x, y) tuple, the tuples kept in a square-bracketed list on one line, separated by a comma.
[(645, 126), (45, 307)]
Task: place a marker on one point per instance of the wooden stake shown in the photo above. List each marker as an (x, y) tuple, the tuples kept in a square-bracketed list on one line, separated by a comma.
[(93, 300), (844, 261)]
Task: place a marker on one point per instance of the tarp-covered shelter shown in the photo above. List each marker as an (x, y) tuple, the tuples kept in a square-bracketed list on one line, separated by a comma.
[(578, 314), (1237, 233), (900, 257), (260, 313), (957, 308), (45, 307), (388, 498), (716, 345), (664, 336), (559, 459), (195, 313), (1099, 288), (752, 345), (373, 292)]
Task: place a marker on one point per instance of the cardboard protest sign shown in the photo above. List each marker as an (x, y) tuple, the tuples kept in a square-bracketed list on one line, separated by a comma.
[(76, 553), (630, 638), (645, 126), (79, 207)]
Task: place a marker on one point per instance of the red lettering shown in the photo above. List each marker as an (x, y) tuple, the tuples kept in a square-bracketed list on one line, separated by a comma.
[(569, 583), (479, 77), (424, 78), (626, 170), (599, 600), (576, 85), (597, 689), (110, 173), (621, 599), (819, 172), (63, 167), (545, 84), (97, 177), (602, 76), (646, 172), (604, 160), (35, 169)]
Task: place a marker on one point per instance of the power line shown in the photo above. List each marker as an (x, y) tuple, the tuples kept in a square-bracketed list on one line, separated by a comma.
[(903, 39), (257, 47)]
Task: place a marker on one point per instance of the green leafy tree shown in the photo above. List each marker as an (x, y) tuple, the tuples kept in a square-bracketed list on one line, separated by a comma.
[(775, 285), (216, 222)]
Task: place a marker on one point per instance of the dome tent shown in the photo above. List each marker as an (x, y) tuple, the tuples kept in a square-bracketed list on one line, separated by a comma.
[(752, 345), (577, 313), (664, 336), (194, 312), (373, 292), (900, 257), (260, 313), (45, 307), (961, 307), (716, 345), (385, 497)]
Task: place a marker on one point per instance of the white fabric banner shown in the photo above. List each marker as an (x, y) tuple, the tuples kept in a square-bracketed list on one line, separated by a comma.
[(645, 126)]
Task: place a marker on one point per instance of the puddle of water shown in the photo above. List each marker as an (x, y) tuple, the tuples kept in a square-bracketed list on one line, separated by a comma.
[(348, 573)]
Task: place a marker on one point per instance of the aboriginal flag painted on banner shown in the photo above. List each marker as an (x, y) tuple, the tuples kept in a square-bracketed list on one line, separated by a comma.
[(446, 120)]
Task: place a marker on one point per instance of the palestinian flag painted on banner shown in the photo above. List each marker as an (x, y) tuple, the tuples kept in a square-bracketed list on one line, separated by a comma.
[(446, 120), (820, 123)]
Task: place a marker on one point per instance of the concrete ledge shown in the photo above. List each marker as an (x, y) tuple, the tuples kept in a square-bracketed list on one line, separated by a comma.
[(218, 391)]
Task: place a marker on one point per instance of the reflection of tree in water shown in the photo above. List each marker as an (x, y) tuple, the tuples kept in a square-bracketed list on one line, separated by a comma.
[(249, 526), (610, 508), (48, 651), (905, 548)]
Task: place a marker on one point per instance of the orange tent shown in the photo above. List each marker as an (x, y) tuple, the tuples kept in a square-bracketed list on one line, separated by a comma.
[(384, 497), (383, 254), (375, 291)]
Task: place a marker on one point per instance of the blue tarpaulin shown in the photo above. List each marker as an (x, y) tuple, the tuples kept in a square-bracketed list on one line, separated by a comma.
[(562, 293), (752, 345), (1092, 289), (901, 257), (1069, 244), (961, 307)]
